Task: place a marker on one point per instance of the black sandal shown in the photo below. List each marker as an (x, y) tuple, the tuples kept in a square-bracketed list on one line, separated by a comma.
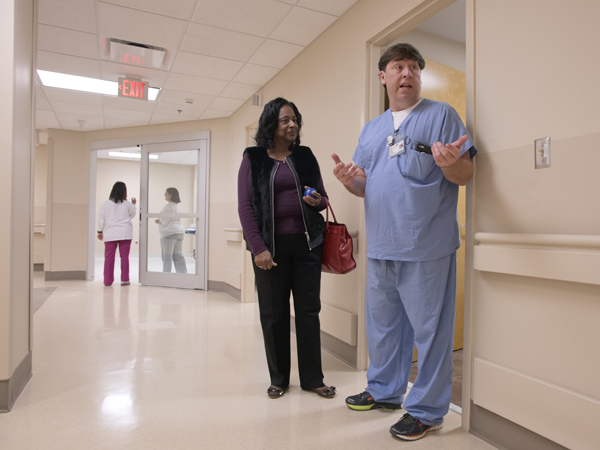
[(325, 391), (275, 392)]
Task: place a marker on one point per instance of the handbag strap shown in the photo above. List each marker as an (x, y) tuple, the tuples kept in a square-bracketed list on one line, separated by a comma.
[(327, 214)]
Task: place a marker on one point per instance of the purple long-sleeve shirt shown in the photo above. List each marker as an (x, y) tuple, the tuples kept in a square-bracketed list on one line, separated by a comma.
[(288, 212)]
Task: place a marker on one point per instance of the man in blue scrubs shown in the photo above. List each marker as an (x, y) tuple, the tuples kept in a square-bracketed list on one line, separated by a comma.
[(408, 165)]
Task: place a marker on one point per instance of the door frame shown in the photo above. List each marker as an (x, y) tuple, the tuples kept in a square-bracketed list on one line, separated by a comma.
[(396, 25), (133, 141)]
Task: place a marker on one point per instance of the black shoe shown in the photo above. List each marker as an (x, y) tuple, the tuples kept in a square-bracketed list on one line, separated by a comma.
[(410, 429), (275, 392), (364, 402)]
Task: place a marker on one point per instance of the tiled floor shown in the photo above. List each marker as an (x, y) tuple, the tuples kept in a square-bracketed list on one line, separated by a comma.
[(156, 368)]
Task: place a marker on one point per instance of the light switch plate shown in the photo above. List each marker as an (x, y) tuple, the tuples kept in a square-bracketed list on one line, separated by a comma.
[(542, 153)]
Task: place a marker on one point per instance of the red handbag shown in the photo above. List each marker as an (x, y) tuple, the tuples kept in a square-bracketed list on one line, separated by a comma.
[(337, 246)]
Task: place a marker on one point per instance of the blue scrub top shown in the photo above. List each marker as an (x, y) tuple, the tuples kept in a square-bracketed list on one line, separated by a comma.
[(410, 206)]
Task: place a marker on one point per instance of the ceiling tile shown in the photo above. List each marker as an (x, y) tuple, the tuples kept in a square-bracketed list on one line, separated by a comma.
[(45, 120), (206, 66), (72, 65), (302, 26), (71, 14), (188, 111), (335, 7), (72, 125), (112, 71), (276, 54), (109, 122), (67, 96), (127, 114), (128, 104), (138, 26), (77, 109), (69, 121), (196, 85), (41, 102), (67, 42), (180, 9), (239, 91), (257, 75), (226, 104), (257, 17), (214, 114), (205, 40), (178, 98), (167, 118)]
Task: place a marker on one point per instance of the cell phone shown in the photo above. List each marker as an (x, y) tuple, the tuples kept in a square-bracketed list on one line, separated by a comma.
[(424, 148)]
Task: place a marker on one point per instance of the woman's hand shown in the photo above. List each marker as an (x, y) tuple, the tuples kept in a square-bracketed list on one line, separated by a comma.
[(157, 221), (133, 200), (264, 260), (310, 200), (100, 236)]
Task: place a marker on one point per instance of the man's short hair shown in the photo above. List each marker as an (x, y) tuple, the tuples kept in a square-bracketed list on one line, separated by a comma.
[(399, 52)]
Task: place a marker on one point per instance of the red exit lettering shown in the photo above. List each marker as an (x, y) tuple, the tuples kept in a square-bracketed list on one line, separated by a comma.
[(133, 59), (134, 89)]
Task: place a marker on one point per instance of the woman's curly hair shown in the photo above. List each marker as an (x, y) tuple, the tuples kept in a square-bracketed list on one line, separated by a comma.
[(269, 121)]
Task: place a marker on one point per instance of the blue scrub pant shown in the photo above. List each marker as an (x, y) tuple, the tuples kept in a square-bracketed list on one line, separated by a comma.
[(408, 303)]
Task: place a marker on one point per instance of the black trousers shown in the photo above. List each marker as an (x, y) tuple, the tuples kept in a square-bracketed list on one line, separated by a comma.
[(298, 271)]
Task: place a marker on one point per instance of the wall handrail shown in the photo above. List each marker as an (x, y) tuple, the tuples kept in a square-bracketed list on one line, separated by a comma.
[(591, 242)]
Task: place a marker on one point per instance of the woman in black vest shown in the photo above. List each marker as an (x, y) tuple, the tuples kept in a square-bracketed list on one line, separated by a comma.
[(284, 231)]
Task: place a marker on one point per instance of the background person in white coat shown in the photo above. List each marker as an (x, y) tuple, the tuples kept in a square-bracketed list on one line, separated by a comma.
[(171, 234), (116, 230)]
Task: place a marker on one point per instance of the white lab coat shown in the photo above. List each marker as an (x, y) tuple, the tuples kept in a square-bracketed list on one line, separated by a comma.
[(114, 220)]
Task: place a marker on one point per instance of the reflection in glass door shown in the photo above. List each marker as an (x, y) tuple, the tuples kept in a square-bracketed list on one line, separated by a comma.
[(173, 213)]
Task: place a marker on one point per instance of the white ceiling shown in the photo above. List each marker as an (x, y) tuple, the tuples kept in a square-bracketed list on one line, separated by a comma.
[(221, 52), (449, 23)]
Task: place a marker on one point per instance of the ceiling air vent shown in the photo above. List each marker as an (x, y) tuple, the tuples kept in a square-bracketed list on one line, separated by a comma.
[(257, 100), (136, 54)]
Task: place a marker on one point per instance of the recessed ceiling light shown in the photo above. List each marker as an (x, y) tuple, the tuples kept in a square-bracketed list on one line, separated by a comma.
[(84, 84), (130, 155)]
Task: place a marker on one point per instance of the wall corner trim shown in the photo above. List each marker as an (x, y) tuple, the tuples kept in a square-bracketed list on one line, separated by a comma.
[(11, 389)]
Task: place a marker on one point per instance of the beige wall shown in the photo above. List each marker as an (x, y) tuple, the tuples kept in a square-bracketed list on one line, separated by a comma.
[(67, 202), (39, 203), (445, 51), (540, 334), (16, 150)]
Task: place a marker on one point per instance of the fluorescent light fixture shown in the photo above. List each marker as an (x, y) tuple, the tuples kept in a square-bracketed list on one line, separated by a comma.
[(84, 84), (130, 155)]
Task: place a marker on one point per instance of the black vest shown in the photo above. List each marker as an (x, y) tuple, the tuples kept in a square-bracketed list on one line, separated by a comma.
[(305, 168)]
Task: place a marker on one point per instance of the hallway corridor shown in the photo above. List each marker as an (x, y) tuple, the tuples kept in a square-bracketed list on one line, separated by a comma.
[(155, 368)]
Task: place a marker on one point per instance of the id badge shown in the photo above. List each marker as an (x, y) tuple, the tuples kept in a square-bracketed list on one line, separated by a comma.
[(395, 146)]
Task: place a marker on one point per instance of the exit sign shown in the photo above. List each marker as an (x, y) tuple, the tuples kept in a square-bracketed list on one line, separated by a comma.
[(133, 88)]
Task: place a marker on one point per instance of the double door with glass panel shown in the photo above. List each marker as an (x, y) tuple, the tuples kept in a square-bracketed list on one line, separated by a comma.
[(173, 212)]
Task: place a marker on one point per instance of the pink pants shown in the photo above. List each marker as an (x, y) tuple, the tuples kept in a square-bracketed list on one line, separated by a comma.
[(110, 248)]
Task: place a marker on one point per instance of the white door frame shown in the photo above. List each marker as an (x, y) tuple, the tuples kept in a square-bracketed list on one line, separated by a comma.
[(122, 143), (383, 35), (191, 281)]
